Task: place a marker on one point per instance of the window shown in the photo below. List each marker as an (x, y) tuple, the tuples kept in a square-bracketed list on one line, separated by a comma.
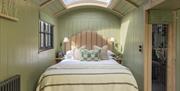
[(70, 3), (46, 36)]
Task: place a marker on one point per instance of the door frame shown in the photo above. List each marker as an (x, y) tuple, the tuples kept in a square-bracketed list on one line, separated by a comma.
[(171, 84)]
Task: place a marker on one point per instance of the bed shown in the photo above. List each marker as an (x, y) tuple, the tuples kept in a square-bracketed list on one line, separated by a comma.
[(78, 75)]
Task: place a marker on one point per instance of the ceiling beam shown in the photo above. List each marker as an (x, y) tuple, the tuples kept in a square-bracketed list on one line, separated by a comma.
[(132, 3), (66, 10), (60, 12), (63, 4), (44, 4), (115, 11), (114, 4)]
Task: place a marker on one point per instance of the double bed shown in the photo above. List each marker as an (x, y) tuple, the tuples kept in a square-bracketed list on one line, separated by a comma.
[(78, 75)]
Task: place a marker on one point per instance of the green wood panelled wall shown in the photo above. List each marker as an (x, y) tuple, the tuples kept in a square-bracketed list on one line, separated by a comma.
[(132, 30), (19, 46), (89, 19), (178, 53)]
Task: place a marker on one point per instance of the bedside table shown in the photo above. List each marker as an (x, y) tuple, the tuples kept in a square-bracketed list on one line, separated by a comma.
[(119, 60), (58, 59)]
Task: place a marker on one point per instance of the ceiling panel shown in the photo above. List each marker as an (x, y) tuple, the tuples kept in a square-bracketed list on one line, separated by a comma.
[(39, 2), (53, 7), (138, 2), (121, 6), (169, 4), (124, 7)]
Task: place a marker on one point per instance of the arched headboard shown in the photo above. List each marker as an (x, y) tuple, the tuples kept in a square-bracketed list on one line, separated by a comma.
[(89, 39)]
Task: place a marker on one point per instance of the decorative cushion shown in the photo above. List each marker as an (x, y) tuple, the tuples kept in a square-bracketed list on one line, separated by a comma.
[(89, 55), (77, 54), (103, 53)]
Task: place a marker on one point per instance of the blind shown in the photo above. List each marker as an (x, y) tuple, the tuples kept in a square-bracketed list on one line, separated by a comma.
[(160, 17)]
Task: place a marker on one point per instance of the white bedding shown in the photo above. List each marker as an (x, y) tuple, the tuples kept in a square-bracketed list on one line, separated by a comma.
[(72, 61), (75, 75)]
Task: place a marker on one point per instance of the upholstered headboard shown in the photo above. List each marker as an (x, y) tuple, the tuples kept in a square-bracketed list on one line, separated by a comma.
[(89, 39)]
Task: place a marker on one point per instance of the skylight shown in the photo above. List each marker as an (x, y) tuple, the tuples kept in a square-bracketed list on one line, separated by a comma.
[(70, 3)]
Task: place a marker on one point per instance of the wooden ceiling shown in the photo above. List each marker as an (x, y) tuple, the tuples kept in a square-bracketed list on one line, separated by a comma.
[(169, 4), (56, 7)]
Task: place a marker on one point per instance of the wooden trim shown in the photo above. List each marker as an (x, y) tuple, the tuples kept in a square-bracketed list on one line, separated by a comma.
[(115, 5), (60, 12), (132, 3), (118, 12), (44, 4), (153, 3), (170, 62), (9, 17), (171, 84), (148, 56), (66, 10)]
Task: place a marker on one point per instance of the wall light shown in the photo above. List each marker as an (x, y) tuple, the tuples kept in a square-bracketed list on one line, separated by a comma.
[(66, 40), (112, 39)]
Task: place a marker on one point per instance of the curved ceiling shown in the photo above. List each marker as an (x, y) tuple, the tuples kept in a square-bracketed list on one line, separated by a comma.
[(75, 3), (57, 7)]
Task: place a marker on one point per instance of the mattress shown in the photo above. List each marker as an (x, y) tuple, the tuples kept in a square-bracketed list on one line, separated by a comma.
[(75, 75)]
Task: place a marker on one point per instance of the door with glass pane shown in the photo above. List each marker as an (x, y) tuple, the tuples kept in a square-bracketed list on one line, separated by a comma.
[(159, 56)]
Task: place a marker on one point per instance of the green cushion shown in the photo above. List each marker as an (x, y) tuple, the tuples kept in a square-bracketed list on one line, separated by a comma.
[(89, 55)]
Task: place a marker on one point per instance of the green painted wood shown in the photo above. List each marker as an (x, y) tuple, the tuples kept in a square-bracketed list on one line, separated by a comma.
[(19, 46), (89, 19), (132, 35), (178, 53), (161, 17)]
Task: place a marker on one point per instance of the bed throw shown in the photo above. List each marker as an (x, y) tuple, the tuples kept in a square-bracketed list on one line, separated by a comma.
[(87, 77)]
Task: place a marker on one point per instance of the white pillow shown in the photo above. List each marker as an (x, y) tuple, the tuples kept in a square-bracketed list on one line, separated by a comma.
[(103, 53), (110, 53), (77, 53), (69, 55)]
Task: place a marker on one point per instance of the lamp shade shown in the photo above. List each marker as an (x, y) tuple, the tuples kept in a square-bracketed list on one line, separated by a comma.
[(112, 39), (66, 40)]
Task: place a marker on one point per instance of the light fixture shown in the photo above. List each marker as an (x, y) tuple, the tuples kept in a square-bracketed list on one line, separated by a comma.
[(112, 39), (66, 40)]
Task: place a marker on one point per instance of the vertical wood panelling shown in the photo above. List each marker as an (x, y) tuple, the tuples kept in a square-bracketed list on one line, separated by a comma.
[(99, 41), (178, 52), (19, 46), (133, 25), (78, 40), (83, 38), (88, 39), (3, 52), (103, 22), (88, 34), (0, 51), (94, 39)]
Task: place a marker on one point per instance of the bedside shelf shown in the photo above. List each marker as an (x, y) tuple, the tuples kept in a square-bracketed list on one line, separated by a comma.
[(57, 60)]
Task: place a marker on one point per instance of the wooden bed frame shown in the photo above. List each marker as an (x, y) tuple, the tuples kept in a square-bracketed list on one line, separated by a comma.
[(89, 39)]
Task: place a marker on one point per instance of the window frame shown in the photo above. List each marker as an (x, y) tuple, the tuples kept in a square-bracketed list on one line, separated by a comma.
[(48, 33)]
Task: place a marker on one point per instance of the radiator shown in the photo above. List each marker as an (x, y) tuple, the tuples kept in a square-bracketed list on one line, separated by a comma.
[(11, 84)]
